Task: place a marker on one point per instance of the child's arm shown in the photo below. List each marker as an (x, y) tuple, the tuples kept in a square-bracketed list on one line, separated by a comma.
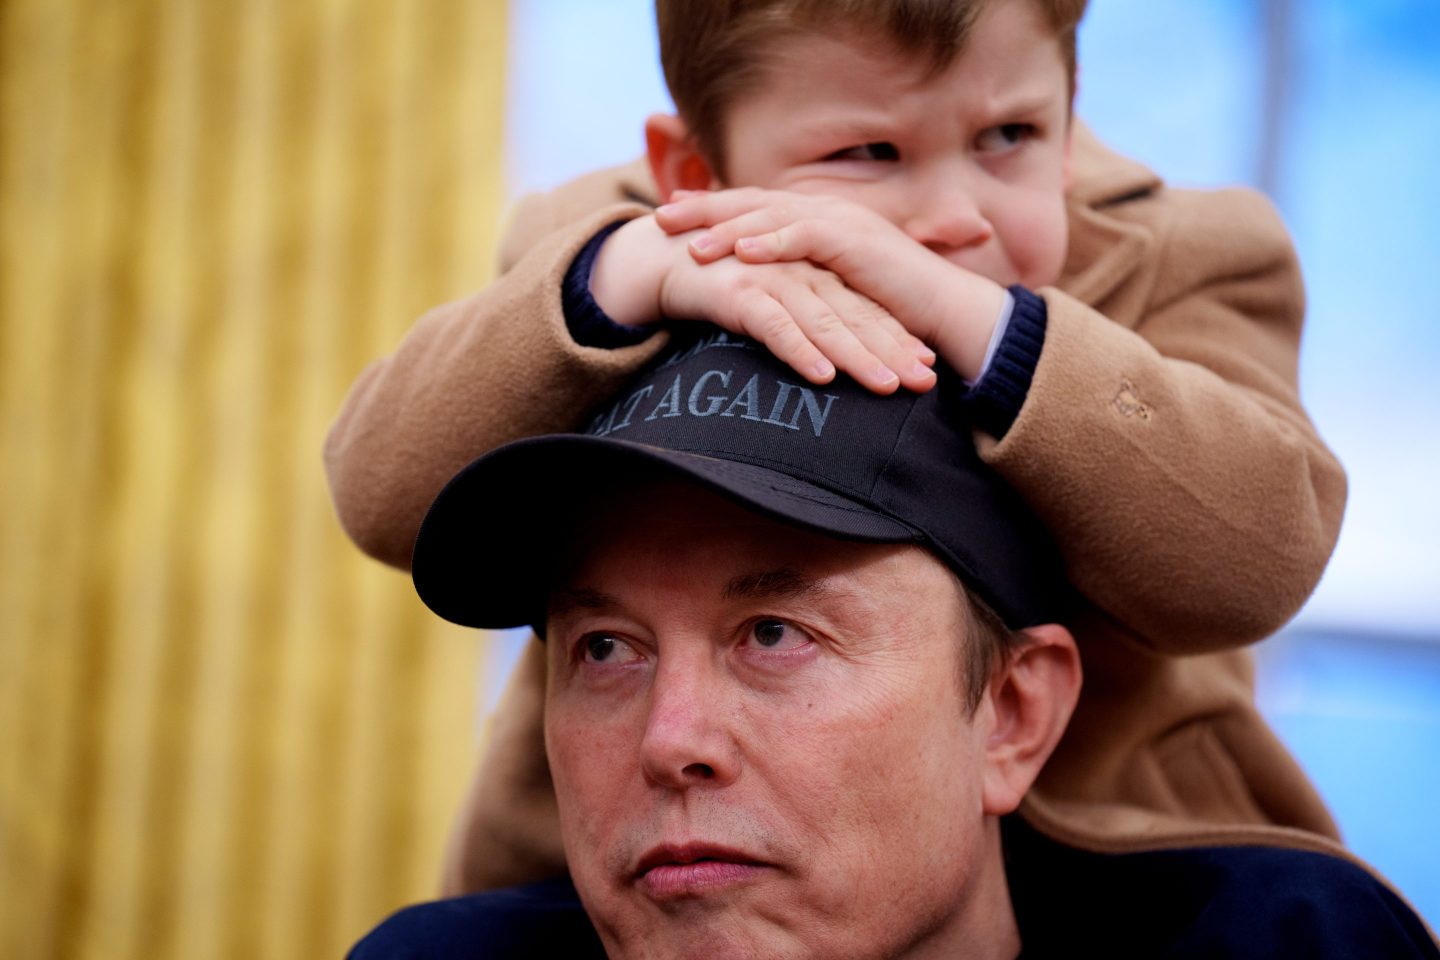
[(470, 376), (1163, 441), (949, 308), (801, 311), (505, 364), (1165, 445)]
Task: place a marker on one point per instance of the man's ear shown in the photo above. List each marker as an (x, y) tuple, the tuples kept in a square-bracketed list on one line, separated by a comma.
[(675, 161), (1030, 699)]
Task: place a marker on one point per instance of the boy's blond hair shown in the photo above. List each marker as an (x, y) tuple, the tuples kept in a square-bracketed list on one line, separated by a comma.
[(713, 51)]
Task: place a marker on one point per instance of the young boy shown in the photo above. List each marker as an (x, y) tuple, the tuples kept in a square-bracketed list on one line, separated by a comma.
[(882, 179)]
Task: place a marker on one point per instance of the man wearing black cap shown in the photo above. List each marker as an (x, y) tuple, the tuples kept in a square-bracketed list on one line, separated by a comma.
[(802, 657)]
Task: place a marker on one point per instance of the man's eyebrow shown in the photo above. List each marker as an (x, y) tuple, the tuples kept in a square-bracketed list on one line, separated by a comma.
[(566, 599), (779, 583)]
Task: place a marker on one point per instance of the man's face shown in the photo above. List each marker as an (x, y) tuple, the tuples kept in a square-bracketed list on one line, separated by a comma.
[(970, 162), (760, 744)]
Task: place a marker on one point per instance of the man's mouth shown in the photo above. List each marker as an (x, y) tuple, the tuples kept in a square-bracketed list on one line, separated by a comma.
[(673, 871)]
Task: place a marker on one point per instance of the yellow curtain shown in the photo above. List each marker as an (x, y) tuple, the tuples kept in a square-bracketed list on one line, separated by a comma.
[(223, 733)]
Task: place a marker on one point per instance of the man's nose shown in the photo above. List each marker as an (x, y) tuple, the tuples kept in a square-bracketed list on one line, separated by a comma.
[(688, 741), (944, 214)]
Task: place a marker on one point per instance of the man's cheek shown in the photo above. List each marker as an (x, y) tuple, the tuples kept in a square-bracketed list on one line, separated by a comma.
[(585, 783)]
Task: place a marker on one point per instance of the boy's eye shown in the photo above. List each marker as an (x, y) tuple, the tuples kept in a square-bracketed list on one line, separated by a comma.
[(867, 151), (770, 633), (606, 648), (1006, 136)]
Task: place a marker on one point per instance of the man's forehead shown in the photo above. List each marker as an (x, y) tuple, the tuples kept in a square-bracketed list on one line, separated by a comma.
[(680, 533), (659, 508), (778, 583), (671, 517)]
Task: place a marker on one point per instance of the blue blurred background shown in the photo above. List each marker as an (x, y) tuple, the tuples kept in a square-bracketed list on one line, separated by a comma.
[(1332, 107)]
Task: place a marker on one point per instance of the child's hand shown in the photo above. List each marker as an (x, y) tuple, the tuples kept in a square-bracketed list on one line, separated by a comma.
[(951, 308), (803, 313)]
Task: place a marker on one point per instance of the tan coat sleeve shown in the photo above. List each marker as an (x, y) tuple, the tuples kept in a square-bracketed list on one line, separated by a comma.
[(471, 375), (1189, 492)]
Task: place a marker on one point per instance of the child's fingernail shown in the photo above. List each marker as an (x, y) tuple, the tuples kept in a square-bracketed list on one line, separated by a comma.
[(748, 243), (703, 243), (925, 354), (824, 369), (920, 370), (885, 376)]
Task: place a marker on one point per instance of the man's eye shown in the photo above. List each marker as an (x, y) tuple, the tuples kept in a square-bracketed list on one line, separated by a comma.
[(867, 151), (773, 634), (1007, 136), (607, 648)]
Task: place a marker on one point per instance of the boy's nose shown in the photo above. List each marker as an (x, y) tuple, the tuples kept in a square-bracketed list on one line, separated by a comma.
[(946, 218)]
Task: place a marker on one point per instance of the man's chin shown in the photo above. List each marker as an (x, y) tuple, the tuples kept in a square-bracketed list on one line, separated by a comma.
[(708, 928), (712, 914)]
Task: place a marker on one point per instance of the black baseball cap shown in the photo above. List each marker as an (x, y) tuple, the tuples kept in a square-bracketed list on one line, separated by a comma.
[(723, 412)]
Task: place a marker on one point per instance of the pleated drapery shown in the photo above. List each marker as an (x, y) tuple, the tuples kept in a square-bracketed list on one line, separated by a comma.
[(223, 733)]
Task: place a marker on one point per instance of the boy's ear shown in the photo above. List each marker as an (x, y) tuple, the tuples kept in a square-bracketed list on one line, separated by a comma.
[(675, 161), (1029, 701)]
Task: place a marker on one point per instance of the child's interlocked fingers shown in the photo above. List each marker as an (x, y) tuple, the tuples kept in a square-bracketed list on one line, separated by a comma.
[(805, 315), (935, 299), (802, 312)]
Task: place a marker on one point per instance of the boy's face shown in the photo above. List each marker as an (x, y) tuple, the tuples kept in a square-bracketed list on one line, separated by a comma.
[(971, 162)]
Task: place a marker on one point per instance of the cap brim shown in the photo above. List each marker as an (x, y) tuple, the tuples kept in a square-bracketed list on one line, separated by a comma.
[(485, 549)]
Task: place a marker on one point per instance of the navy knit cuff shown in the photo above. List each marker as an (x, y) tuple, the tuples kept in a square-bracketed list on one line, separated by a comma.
[(589, 325), (995, 400)]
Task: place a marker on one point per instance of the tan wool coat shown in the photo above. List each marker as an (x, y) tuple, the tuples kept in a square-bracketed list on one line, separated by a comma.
[(1162, 441)]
